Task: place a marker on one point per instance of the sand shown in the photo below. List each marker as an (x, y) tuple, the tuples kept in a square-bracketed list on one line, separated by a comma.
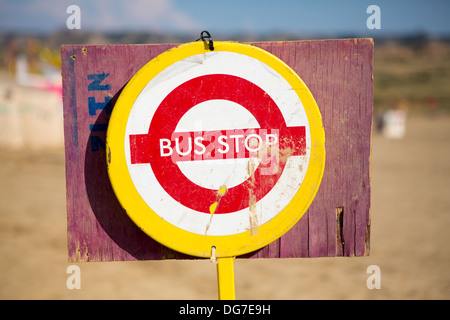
[(410, 215)]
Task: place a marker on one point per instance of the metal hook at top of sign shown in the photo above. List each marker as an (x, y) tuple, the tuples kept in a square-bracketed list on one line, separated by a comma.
[(206, 37)]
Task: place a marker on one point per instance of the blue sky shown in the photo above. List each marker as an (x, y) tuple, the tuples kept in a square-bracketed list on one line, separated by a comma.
[(226, 17)]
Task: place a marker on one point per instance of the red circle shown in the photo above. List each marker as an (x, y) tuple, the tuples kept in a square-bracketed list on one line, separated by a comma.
[(166, 118)]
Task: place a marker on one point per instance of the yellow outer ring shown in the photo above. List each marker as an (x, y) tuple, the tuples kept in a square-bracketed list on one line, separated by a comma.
[(177, 238)]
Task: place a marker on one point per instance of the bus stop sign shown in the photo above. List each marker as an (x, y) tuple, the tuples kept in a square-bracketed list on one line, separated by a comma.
[(220, 148)]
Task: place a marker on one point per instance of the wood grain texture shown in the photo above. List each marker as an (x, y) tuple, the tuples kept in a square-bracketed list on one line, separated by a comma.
[(337, 72)]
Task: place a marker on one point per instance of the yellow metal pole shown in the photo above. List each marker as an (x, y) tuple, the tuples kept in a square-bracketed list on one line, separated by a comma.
[(225, 278)]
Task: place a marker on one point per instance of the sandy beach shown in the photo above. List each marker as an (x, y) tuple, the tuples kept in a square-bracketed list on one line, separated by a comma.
[(410, 215)]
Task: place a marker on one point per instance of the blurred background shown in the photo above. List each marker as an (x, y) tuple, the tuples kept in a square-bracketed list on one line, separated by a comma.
[(410, 146)]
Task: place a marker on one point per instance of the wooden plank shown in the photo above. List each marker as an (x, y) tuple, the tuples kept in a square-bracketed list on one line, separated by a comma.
[(339, 75)]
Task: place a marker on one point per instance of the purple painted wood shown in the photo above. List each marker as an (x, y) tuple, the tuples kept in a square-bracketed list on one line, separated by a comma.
[(339, 75)]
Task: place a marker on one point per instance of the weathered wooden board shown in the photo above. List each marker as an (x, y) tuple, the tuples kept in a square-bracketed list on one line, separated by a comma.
[(337, 72)]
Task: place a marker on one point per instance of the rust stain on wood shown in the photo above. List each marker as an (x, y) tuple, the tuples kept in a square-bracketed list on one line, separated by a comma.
[(339, 231)]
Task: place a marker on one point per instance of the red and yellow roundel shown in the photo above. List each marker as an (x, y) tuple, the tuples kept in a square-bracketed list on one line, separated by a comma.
[(219, 148)]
